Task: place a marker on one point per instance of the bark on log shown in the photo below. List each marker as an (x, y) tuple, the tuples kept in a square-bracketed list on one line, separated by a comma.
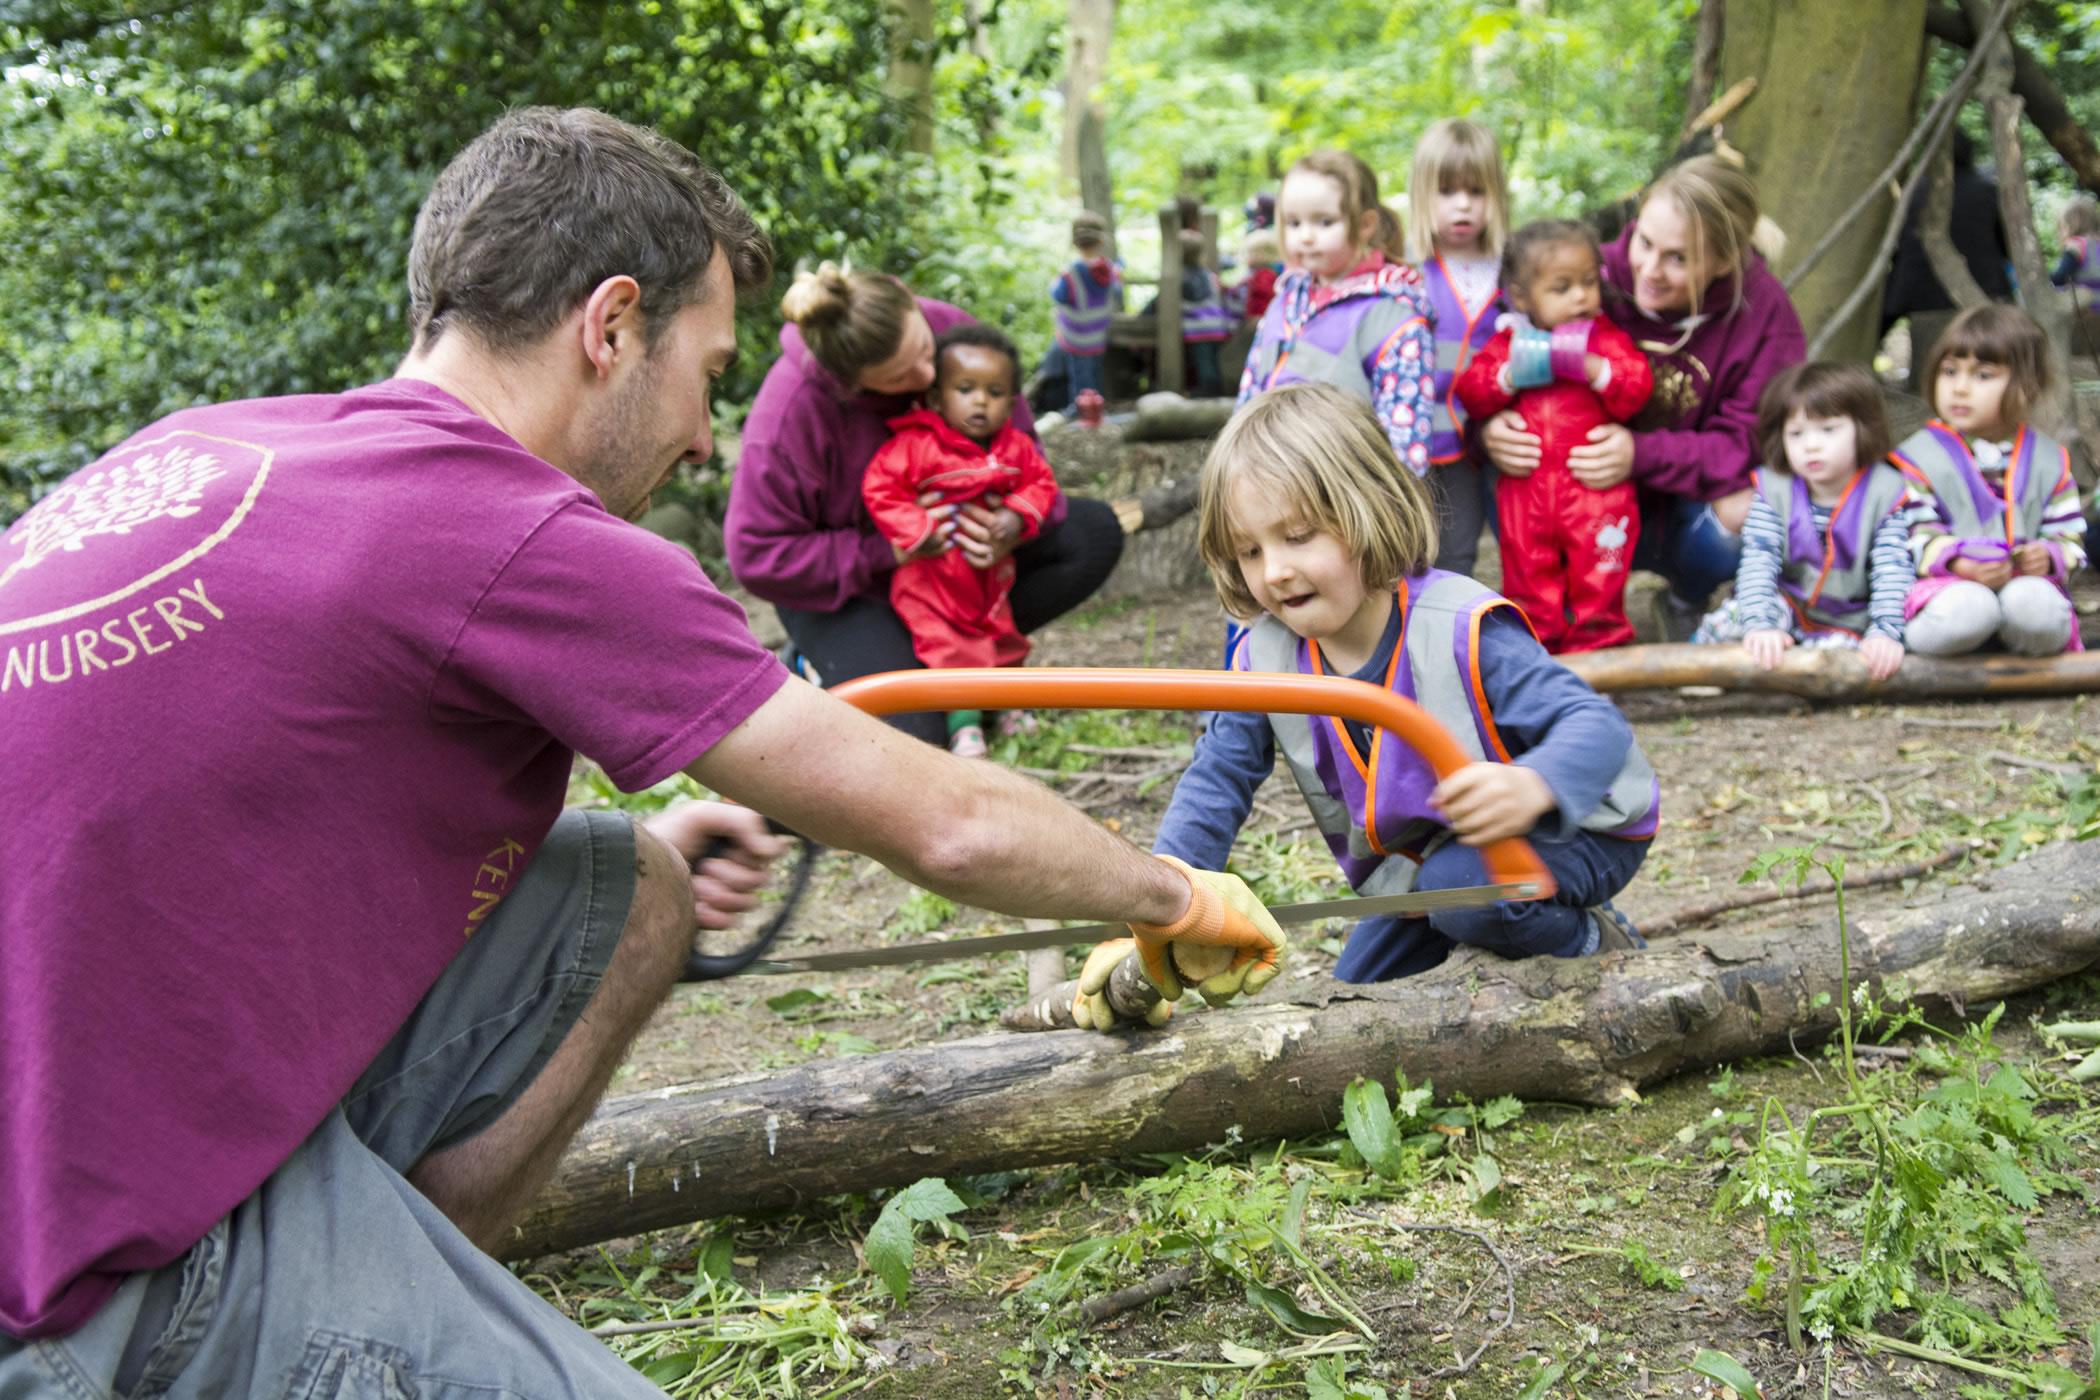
[(1591, 1030), (1835, 673), (1165, 416)]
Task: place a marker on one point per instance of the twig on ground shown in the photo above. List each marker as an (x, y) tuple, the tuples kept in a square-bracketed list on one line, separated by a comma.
[(1883, 1052), (1865, 879), (1801, 1057), (636, 1329), (1108, 1305), (1133, 751), (2067, 769), (1509, 1287), (1888, 813), (1927, 722), (1164, 770)]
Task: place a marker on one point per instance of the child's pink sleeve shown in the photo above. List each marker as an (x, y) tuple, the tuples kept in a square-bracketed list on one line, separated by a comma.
[(1479, 384), (890, 489), (1632, 377), (1035, 493)]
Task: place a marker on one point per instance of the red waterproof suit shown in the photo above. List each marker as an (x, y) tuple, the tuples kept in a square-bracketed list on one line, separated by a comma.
[(957, 613), (1566, 549)]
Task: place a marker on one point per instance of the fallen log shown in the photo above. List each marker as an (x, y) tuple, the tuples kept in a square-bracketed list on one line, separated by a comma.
[(1590, 1030), (1165, 416), (1835, 673)]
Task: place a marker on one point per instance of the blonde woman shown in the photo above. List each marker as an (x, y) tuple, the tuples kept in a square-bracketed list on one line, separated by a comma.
[(1686, 284), (857, 352)]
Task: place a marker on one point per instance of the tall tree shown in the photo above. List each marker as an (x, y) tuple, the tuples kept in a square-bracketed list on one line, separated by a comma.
[(1838, 92)]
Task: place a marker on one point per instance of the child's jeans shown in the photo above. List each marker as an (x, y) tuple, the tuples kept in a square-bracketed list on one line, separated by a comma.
[(1084, 372), (1589, 869), (1203, 364)]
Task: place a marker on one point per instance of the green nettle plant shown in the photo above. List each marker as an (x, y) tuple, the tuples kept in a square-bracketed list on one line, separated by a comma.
[(1908, 1193)]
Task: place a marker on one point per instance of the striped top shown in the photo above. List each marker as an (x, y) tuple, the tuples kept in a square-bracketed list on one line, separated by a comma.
[(1762, 607), (2063, 518)]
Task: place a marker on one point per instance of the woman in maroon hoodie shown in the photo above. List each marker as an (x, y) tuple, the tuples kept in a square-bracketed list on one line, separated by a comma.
[(1715, 324), (857, 352)]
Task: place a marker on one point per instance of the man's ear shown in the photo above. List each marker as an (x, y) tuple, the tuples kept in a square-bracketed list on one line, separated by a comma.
[(612, 323)]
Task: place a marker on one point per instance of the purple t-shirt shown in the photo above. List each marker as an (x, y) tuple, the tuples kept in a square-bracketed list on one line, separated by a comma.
[(288, 694)]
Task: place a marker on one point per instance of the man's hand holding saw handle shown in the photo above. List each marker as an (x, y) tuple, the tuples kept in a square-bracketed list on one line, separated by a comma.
[(1224, 945)]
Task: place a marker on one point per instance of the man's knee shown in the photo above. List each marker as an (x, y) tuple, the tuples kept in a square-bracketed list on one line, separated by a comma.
[(659, 929)]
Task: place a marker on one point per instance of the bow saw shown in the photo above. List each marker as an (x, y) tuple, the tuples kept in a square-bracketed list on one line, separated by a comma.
[(1513, 868)]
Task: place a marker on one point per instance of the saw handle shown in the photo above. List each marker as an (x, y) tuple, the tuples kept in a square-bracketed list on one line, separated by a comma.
[(1509, 862)]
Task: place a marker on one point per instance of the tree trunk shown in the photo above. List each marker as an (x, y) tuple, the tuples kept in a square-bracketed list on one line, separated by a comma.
[(910, 79), (1835, 673), (1838, 95), (1092, 23), (1590, 1030), (1096, 194)]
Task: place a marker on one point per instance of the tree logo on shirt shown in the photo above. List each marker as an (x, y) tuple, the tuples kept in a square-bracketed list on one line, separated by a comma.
[(140, 514)]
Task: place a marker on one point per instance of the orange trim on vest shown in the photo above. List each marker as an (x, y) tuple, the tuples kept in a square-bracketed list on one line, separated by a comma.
[(1830, 534), (1480, 698), (1367, 768), (1465, 352)]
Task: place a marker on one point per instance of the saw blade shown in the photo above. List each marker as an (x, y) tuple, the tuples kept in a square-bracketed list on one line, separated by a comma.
[(1413, 902)]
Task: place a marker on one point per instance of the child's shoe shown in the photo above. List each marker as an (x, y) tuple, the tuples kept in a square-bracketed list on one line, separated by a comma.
[(968, 742), (1615, 932), (1013, 724)]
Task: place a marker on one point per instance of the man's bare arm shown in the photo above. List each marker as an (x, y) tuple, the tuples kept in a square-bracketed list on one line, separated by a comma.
[(963, 828)]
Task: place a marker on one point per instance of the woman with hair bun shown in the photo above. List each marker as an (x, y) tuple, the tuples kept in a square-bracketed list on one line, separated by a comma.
[(858, 351), (1686, 283)]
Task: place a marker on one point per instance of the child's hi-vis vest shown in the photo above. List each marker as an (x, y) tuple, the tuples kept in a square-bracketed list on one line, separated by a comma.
[(1938, 458), (1340, 332), (1824, 577), (1458, 339), (1375, 813)]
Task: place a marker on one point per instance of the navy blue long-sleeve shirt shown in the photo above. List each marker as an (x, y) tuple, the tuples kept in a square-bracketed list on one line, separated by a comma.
[(1551, 721)]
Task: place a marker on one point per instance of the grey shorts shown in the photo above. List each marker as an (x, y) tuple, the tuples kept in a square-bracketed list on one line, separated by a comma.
[(337, 1278)]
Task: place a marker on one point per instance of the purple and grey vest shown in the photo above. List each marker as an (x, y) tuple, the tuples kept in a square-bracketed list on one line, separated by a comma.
[(1375, 813), (1206, 317), (2088, 250), (1457, 341), (1334, 334), (1936, 455), (1084, 312), (1825, 578)]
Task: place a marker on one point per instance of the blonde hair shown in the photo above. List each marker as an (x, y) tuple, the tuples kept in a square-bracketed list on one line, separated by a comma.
[(1359, 186), (1322, 453), (1262, 246), (1451, 152), (2079, 219), (1718, 203), (849, 320)]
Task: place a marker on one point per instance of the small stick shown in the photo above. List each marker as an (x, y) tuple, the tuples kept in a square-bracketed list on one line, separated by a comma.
[(1865, 879), (1888, 815), (1136, 751), (2067, 769), (1927, 722), (1108, 1305)]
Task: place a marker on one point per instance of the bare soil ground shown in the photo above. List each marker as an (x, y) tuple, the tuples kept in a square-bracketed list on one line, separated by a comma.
[(1880, 783)]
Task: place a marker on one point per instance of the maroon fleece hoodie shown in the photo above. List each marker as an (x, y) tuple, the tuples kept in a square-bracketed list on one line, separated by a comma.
[(1698, 435), (797, 531)]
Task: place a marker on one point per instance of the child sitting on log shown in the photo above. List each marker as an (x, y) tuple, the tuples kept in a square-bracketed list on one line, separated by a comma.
[(1998, 527), (961, 450), (1566, 547), (1315, 532), (1825, 559)]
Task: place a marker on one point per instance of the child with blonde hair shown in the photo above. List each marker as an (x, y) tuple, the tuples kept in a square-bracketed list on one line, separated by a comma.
[(1318, 537), (2078, 229), (1262, 252), (1825, 559), (1348, 311), (1997, 530), (1458, 220)]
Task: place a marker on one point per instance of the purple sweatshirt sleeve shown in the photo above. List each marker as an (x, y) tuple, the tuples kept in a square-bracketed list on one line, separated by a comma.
[(779, 544), (1718, 456)]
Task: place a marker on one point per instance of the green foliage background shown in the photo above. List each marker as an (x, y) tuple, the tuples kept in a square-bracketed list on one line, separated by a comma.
[(208, 200)]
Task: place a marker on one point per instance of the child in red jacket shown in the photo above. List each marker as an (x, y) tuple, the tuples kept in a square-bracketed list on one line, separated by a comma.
[(1566, 547), (960, 451)]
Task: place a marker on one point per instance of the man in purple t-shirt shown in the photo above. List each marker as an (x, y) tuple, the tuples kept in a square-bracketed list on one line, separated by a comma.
[(305, 978)]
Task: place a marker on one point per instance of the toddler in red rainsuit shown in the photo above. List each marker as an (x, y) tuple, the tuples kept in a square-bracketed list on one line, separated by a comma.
[(960, 451), (1566, 547)]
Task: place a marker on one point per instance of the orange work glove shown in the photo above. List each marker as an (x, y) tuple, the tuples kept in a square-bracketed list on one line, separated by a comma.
[(1222, 913)]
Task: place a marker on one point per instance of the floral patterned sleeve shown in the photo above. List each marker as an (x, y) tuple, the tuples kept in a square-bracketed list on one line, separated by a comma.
[(1403, 386)]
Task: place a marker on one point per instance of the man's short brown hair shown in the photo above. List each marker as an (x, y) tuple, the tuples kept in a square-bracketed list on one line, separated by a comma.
[(548, 203)]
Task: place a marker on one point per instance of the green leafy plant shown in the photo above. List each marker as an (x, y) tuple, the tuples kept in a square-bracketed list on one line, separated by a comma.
[(922, 911), (890, 1243), (1394, 1139)]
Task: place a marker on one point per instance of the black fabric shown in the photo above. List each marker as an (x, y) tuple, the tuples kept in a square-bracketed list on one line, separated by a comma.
[(1053, 575), (1979, 237)]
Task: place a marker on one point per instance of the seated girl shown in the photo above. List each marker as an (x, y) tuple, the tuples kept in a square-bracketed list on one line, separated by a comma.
[(1997, 529), (1825, 559), (1314, 529)]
